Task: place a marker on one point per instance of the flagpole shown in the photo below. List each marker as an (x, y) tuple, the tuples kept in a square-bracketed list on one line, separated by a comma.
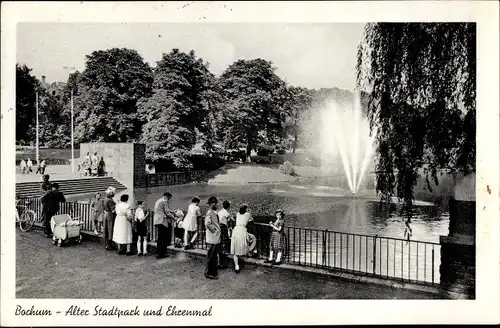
[(72, 137), (37, 151)]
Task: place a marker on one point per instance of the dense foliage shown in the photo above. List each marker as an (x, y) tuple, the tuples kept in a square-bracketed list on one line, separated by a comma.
[(254, 101), (108, 91), (176, 108), (26, 87), (421, 79)]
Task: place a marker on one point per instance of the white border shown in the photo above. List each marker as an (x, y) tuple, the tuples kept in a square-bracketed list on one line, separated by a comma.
[(482, 310)]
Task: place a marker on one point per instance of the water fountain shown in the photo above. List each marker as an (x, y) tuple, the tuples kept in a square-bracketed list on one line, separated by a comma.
[(345, 134)]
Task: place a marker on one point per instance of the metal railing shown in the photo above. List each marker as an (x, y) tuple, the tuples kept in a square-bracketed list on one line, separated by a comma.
[(172, 178), (387, 257)]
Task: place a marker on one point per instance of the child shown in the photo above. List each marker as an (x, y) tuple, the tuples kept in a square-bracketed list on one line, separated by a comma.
[(224, 219), (277, 243), (408, 231), (178, 230), (190, 223), (98, 213), (142, 229)]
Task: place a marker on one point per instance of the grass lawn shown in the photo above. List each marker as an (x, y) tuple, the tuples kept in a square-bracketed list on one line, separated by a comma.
[(50, 153)]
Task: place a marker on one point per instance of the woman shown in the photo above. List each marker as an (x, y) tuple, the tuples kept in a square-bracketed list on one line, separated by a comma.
[(190, 223), (122, 231), (242, 242), (97, 213)]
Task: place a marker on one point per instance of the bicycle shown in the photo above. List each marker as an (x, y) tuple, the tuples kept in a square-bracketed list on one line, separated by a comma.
[(27, 217)]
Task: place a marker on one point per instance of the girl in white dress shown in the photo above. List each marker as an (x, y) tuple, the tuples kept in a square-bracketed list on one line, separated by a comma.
[(190, 223), (242, 242), (122, 231)]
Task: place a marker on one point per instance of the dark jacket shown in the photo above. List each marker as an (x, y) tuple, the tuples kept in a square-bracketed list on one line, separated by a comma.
[(52, 199)]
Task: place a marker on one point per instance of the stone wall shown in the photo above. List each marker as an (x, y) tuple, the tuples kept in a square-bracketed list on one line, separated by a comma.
[(125, 162), (458, 266), (458, 249)]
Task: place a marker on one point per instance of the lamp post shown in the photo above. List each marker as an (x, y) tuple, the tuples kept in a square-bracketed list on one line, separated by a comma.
[(72, 137), (72, 126), (36, 142)]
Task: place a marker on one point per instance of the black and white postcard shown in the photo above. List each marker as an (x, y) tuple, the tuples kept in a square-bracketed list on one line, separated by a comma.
[(225, 163)]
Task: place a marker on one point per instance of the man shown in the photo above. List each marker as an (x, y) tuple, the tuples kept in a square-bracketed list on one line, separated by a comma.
[(163, 220), (50, 206), (29, 165), (43, 166), (213, 238), (46, 188), (109, 218), (46, 185), (23, 166), (38, 167)]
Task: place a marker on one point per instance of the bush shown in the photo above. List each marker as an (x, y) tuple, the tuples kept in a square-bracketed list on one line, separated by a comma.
[(198, 162), (265, 150), (287, 168)]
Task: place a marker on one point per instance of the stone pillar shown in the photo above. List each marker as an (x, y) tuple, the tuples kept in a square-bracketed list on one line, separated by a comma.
[(139, 166), (458, 249)]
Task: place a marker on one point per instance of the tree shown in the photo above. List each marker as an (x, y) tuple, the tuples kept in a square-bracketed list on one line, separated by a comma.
[(254, 106), (421, 80), (26, 87), (298, 100), (54, 120), (107, 94), (176, 108)]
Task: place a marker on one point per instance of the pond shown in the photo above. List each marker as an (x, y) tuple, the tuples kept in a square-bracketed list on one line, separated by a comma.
[(312, 207)]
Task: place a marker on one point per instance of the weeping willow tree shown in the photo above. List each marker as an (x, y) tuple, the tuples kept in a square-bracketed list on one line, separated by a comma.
[(421, 81)]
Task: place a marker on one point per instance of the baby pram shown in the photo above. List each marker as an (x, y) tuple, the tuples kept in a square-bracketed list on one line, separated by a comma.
[(64, 228)]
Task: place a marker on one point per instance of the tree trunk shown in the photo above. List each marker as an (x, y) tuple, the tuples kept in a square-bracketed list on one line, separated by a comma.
[(295, 137), (248, 152)]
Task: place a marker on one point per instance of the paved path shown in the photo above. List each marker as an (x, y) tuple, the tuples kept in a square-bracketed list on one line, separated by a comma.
[(56, 172), (88, 271)]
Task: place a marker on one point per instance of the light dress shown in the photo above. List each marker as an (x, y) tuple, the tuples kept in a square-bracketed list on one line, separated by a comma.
[(242, 242), (122, 231), (190, 222)]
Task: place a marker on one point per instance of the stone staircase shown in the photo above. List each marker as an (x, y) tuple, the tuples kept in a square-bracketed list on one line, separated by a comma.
[(70, 187)]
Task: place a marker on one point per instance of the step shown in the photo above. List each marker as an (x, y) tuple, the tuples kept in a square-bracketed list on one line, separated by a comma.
[(72, 186), (63, 188)]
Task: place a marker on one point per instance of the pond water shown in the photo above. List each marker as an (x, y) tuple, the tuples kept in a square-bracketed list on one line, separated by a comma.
[(312, 207)]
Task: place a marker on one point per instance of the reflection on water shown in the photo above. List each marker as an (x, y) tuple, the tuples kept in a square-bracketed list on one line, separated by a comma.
[(311, 207)]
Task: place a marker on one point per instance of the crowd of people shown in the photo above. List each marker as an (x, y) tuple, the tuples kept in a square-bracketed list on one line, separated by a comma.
[(26, 166), (119, 221)]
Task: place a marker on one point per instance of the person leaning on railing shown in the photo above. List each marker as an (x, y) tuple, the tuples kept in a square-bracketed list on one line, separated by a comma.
[(277, 242), (109, 218), (163, 219), (212, 235), (224, 219), (242, 242)]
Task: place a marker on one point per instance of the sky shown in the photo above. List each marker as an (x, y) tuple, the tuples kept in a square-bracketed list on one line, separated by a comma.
[(306, 55)]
